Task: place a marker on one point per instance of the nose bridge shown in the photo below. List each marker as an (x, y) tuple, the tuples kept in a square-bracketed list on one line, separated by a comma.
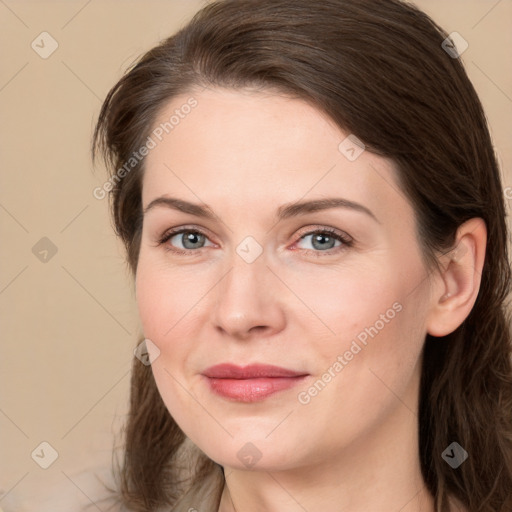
[(246, 275), (244, 298)]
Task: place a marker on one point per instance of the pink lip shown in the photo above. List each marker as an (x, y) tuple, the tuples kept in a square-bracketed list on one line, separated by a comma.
[(250, 383)]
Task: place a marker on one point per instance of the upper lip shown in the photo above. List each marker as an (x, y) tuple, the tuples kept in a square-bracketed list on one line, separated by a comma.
[(252, 371)]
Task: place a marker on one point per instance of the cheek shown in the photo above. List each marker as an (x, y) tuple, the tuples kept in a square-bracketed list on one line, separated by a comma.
[(341, 306), (162, 298), (172, 312), (366, 371), (373, 317), (162, 304), (150, 295)]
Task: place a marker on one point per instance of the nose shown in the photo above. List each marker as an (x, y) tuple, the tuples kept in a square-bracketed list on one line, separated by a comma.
[(248, 300)]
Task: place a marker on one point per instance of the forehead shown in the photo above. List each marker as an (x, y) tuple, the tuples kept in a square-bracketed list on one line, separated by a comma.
[(250, 148), (241, 125)]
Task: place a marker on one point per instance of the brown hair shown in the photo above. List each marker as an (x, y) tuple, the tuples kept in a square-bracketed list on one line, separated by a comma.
[(378, 69)]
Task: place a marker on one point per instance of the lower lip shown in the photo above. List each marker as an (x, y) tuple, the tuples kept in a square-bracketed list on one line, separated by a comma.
[(252, 390)]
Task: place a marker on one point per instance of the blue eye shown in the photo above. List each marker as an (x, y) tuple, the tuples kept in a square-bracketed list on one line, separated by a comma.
[(189, 238), (323, 241)]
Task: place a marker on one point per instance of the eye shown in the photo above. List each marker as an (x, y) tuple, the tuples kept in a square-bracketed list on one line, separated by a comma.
[(189, 239), (324, 241)]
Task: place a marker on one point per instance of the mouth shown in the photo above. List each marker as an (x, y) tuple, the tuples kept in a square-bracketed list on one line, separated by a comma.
[(250, 383)]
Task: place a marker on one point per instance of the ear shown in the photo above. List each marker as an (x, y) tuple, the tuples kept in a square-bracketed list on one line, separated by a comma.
[(455, 289)]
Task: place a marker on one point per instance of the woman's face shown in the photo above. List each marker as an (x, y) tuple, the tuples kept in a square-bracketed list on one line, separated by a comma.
[(268, 272)]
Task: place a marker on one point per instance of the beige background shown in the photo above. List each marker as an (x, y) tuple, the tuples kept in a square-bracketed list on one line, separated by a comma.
[(69, 324)]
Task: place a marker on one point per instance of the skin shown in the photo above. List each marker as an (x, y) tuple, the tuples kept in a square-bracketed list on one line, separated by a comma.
[(353, 446)]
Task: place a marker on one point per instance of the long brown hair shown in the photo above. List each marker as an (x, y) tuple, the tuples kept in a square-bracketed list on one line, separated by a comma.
[(379, 70)]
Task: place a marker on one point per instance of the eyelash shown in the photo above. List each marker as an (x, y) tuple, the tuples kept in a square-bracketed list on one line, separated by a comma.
[(346, 241)]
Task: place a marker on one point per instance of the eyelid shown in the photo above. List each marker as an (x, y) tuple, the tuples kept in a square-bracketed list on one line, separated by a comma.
[(312, 229)]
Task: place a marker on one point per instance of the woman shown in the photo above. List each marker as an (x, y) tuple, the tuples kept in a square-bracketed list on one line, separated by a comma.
[(314, 217)]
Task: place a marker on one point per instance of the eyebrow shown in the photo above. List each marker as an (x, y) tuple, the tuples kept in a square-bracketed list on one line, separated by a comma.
[(285, 211)]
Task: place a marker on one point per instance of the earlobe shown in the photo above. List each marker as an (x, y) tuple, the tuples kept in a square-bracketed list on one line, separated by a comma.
[(456, 288)]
